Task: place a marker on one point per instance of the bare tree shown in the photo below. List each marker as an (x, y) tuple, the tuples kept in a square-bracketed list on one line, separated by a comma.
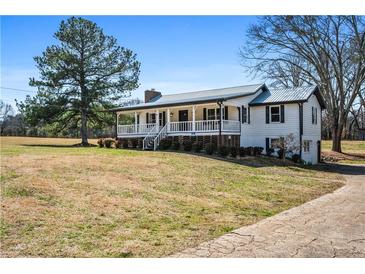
[(6, 110), (328, 51)]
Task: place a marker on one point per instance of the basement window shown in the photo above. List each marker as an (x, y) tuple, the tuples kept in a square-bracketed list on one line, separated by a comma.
[(306, 145)]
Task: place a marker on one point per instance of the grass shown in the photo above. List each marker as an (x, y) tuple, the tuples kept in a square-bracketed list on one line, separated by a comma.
[(59, 201), (353, 152)]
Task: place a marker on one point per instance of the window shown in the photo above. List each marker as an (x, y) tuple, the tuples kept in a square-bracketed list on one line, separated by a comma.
[(314, 115), (211, 114), (152, 118), (214, 113), (275, 114), (306, 145), (275, 143), (244, 114)]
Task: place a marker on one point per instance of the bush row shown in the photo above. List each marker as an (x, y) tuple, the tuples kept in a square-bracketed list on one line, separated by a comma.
[(109, 143), (211, 148)]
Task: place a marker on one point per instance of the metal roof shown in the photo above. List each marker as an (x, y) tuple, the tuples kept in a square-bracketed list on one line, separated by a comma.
[(286, 95), (203, 96)]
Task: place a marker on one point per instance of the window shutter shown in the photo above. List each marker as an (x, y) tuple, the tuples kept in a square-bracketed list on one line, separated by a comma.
[(267, 144), (312, 115), (204, 114), (226, 113), (239, 113), (267, 114), (248, 115), (137, 119), (164, 117), (147, 116), (282, 113)]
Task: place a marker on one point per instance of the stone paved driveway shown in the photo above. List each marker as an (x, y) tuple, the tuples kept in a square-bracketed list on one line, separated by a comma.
[(330, 226)]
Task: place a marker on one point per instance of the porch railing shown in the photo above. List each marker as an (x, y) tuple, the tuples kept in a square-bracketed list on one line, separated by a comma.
[(135, 129), (183, 126)]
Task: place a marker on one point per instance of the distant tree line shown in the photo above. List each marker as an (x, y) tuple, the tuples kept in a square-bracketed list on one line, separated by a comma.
[(14, 124)]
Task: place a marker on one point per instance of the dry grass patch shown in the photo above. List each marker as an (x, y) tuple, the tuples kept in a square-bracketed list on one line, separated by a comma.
[(353, 152), (92, 202)]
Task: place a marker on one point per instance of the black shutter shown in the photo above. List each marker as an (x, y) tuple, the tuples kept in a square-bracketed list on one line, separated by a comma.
[(226, 113), (267, 144), (249, 115), (147, 116), (282, 113), (239, 113), (267, 114), (204, 114), (312, 115), (164, 117), (137, 119)]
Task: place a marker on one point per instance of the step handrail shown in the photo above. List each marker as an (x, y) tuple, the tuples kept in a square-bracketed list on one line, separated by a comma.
[(161, 134), (149, 136)]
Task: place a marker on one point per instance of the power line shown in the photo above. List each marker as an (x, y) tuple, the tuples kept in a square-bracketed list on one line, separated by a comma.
[(17, 89)]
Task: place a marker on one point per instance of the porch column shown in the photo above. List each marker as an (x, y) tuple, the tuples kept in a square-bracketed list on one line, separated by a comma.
[(116, 124), (168, 119), (157, 120), (220, 122), (194, 118), (135, 122)]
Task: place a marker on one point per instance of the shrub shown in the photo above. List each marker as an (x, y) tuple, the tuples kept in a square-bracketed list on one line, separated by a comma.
[(233, 152), (187, 145), (257, 150), (165, 144), (118, 143), (249, 151), (295, 158), (125, 143), (242, 152), (100, 142), (269, 151), (175, 145), (134, 143), (223, 151), (210, 148), (198, 146), (108, 142)]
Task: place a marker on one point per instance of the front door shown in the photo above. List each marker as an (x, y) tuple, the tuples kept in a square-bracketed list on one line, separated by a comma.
[(183, 117)]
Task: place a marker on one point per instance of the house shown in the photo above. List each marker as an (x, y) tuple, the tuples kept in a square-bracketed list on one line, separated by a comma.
[(251, 115)]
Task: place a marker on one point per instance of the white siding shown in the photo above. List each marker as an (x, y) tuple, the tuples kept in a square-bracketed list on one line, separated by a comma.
[(311, 132), (255, 133)]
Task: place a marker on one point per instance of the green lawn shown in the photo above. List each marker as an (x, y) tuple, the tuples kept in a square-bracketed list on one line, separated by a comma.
[(95, 202)]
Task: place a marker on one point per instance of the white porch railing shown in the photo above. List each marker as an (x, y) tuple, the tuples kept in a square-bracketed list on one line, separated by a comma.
[(149, 139), (181, 126), (231, 125), (175, 127), (135, 129), (162, 134)]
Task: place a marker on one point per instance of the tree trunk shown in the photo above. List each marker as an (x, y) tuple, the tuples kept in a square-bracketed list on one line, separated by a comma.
[(336, 138), (84, 141)]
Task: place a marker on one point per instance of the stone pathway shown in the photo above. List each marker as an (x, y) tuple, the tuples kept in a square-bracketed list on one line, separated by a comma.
[(330, 226)]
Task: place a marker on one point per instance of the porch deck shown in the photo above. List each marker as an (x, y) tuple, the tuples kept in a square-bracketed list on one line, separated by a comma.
[(202, 127)]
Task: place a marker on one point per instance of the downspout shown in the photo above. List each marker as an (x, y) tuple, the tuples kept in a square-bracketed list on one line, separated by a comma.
[(300, 128)]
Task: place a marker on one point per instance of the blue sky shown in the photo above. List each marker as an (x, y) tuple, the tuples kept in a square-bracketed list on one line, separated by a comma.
[(177, 53)]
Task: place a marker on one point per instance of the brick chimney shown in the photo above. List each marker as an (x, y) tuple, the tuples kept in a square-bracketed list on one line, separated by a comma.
[(150, 95)]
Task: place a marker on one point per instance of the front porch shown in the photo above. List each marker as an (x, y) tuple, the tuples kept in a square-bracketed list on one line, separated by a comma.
[(196, 120), (186, 128)]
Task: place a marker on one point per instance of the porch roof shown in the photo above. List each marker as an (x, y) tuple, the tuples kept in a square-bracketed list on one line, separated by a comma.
[(197, 97)]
